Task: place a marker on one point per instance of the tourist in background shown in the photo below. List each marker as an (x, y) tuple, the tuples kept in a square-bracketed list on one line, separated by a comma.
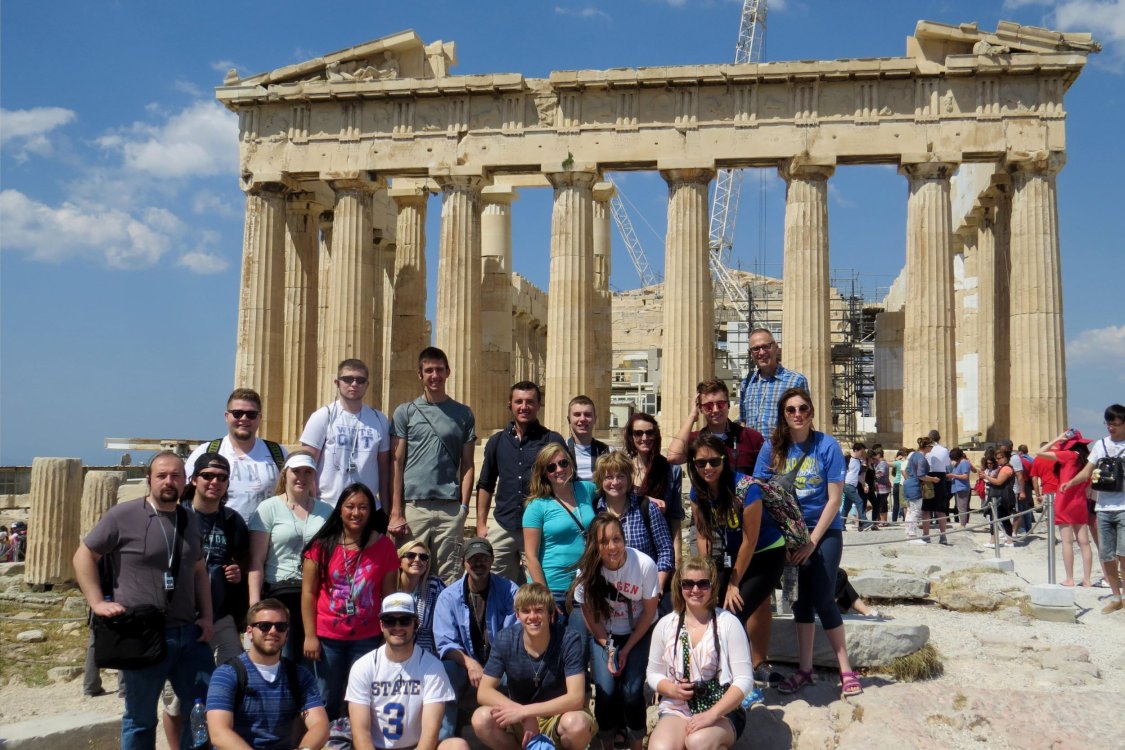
[(1001, 482), (653, 476), (819, 464), (898, 467), (414, 578), (961, 468), (855, 486), (349, 566), (280, 529), (1070, 453), (913, 488), (881, 484)]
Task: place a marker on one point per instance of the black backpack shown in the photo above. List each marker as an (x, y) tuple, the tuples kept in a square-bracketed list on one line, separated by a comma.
[(274, 449), (1109, 472)]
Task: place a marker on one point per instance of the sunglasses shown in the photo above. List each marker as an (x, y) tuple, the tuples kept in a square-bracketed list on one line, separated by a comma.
[(644, 433), (420, 556), (798, 409), (240, 413), (210, 476), (352, 379), (711, 406), (266, 626), (714, 463), (703, 584), (397, 622), (560, 464)]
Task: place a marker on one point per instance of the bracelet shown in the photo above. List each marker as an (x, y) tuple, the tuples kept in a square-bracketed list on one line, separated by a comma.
[(464, 508)]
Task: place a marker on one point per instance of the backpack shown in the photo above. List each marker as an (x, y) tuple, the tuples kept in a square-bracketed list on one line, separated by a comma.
[(1109, 472), (274, 449), (292, 677)]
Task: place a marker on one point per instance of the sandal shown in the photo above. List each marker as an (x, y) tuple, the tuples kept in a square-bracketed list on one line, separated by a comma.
[(849, 684), (796, 681)]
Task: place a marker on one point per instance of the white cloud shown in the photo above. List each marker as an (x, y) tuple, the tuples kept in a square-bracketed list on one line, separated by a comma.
[(838, 197), (200, 140), (588, 12), (1099, 348), (199, 261), (206, 202), (25, 130)]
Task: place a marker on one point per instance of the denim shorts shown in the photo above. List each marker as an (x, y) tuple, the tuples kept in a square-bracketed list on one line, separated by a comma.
[(1111, 534)]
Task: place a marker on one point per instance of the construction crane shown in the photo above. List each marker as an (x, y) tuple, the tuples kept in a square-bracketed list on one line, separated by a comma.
[(647, 276)]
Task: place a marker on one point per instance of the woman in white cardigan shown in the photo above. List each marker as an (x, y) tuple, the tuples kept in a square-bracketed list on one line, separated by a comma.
[(699, 663)]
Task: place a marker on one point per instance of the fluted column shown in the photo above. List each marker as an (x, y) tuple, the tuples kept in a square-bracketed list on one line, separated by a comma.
[(1002, 347), (603, 300), (806, 336), (1038, 359), (929, 373), (353, 294), (990, 422), (458, 303), (520, 356), (56, 503), (99, 494), (325, 372), (261, 298), (299, 343), (570, 295), (408, 329), (496, 307), (689, 307)]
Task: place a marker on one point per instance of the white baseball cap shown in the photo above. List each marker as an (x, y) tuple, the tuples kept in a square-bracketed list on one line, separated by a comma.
[(398, 603), (298, 460)]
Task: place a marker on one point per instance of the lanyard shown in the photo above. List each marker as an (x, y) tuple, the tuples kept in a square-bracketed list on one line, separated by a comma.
[(168, 546)]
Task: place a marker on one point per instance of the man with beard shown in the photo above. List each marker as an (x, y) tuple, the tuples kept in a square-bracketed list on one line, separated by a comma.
[(255, 701), (254, 462), (156, 560), (397, 693)]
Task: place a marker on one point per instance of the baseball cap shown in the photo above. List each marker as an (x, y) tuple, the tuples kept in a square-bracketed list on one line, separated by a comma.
[(211, 461), (398, 603), (298, 460), (478, 546)]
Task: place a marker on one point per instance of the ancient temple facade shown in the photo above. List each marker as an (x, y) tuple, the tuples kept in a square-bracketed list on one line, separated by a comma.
[(338, 156)]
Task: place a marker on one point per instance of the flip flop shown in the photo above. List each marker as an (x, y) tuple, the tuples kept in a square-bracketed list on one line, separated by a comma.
[(849, 684), (795, 682)]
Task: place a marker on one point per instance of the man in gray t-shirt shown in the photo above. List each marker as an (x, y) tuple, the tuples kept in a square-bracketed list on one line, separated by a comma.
[(156, 559), (432, 442)]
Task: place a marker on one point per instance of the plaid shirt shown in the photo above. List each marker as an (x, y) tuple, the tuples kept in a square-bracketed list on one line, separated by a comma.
[(658, 545), (758, 402)]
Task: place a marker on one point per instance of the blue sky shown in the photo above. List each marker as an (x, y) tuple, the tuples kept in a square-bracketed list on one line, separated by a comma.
[(121, 216)]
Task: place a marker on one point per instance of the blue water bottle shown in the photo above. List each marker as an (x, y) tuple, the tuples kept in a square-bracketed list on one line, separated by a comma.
[(199, 736), (754, 696)]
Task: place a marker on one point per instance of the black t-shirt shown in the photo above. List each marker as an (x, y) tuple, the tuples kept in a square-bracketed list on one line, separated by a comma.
[(225, 540)]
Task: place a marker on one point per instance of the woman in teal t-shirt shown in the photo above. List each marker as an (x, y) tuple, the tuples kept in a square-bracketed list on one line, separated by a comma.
[(555, 517)]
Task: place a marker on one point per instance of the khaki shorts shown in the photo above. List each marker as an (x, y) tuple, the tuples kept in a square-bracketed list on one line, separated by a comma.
[(549, 725)]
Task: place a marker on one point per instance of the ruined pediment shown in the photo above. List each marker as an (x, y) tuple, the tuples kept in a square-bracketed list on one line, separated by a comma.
[(401, 55), (935, 42)]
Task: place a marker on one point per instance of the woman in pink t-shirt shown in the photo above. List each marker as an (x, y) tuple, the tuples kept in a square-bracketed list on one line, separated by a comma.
[(1070, 453), (348, 567)]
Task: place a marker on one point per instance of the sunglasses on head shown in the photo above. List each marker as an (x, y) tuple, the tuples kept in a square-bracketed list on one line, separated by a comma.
[(266, 626), (401, 621), (420, 556), (562, 463), (644, 433), (798, 409), (210, 476), (703, 584), (353, 379), (714, 463), (248, 413)]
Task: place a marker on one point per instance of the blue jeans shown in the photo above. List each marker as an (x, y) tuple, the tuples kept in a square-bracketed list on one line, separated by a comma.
[(187, 666), (336, 660), (852, 497), (620, 701), (459, 680)]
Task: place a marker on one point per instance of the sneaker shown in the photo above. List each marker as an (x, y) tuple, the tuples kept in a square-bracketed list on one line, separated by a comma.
[(919, 541), (1113, 606), (762, 675), (944, 541)]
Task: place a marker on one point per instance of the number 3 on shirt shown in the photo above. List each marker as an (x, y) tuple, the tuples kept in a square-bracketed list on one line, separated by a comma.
[(392, 717)]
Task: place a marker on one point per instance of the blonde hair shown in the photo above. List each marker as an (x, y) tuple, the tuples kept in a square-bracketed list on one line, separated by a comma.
[(699, 563), (614, 462), (533, 595), (539, 485), (283, 475)]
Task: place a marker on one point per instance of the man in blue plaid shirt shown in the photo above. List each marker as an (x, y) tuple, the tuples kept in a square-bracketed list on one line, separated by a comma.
[(762, 388)]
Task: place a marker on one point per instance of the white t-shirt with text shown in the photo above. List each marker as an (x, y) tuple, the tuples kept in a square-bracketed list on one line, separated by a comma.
[(634, 581), (350, 445), (395, 693), (253, 476)]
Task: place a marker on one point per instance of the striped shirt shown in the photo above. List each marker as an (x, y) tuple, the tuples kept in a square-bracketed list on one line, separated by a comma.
[(758, 401)]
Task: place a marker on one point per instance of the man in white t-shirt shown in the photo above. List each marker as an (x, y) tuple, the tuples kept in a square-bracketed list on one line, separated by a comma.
[(397, 693), (254, 462), (1110, 507), (350, 441)]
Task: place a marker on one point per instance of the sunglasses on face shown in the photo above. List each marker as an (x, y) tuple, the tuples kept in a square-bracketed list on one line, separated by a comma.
[(397, 622), (714, 463), (562, 463), (353, 379), (266, 626), (644, 433), (240, 413), (798, 409), (703, 584), (210, 476), (714, 405), (420, 556)]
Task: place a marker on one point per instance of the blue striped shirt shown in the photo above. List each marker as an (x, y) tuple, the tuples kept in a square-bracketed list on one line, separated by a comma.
[(758, 401), (265, 719)]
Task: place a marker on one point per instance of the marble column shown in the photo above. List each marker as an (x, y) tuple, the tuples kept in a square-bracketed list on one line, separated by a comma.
[(520, 355), (1038, 358), (1002, 347), (689, 306), (353, 294), (325, 372), (56, 505), (99, 494), (603, 301), (929, 373), (990, 422), (570, 296), (806, 336), (496, 308), (458, 290), (301, 305), (408, 326), (258, 356)]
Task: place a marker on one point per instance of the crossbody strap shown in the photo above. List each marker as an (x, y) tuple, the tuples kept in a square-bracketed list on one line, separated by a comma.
[(569, 512), (456, 460)]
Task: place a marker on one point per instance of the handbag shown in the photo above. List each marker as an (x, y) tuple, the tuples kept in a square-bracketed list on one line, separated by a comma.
[(781, 503), (927, 490), (131, 640), (705, 693)]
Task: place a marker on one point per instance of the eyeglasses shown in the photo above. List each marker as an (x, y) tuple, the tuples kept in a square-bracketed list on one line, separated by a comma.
[(562, 463), (266, 626), (711, 406), (240, 413), (421, 556), (352, 379), (762, 347), (703, 584), (798, 409), (397, 622), (210, 476), (644, 433), (714, 462)]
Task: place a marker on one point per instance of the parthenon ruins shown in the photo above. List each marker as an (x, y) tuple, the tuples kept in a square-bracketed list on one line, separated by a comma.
[(340, 154)]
